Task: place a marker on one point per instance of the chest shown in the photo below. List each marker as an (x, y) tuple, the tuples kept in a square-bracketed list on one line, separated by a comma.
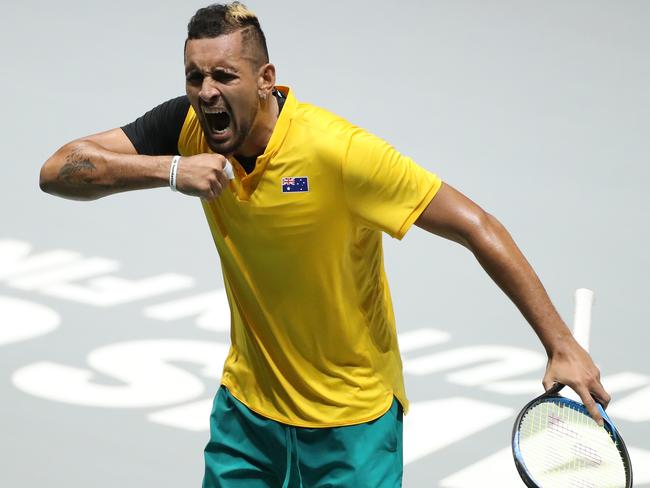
[(292, 205)]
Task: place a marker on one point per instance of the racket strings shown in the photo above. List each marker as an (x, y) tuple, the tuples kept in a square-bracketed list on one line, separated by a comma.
[(562, 446)]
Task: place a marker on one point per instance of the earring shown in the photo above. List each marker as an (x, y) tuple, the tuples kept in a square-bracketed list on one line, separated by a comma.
[(262, 96)]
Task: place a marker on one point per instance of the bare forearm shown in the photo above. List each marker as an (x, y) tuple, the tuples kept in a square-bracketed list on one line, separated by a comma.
[(452, 215), (84, 170), (568, 363), (498, 254)]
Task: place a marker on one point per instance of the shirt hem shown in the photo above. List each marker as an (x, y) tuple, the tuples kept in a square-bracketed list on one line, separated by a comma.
[(413, 216), (233, 391)]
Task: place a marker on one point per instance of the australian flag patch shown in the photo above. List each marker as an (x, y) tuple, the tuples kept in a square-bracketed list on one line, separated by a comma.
[(293, 184)]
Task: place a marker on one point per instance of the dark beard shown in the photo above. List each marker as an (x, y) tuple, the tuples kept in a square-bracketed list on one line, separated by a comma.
[(233, 144), (228, 148)]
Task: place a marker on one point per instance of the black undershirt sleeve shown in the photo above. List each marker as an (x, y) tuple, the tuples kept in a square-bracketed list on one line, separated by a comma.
[(156, 133)]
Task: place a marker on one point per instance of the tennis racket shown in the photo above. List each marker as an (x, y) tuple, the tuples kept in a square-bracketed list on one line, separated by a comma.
[(556, 443)]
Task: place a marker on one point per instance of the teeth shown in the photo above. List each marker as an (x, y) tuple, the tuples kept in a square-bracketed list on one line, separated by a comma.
[(218, 120)]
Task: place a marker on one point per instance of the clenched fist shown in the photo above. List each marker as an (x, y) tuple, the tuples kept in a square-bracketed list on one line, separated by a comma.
[(204, 175)]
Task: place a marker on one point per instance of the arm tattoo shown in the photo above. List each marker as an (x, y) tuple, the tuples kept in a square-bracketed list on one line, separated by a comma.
[(78, 169)]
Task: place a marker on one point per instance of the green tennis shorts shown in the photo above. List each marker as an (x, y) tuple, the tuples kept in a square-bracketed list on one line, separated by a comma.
[(247, 450)]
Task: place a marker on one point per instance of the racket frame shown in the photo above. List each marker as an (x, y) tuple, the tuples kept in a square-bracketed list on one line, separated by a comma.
[(553, 392)]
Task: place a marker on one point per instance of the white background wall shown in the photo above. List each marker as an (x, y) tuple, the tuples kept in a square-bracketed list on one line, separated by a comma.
[(539, 111)]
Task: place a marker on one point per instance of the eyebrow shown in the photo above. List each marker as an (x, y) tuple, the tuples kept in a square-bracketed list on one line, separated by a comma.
[(218, 69)]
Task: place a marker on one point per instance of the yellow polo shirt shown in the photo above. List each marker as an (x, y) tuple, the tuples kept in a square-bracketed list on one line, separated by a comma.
[(300, 240)]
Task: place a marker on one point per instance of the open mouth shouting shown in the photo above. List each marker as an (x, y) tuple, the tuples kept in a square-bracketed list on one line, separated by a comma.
[(218, 122)]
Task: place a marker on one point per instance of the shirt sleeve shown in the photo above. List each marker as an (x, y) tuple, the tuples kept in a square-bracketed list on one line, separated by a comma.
[(386, 190), (156, 132)]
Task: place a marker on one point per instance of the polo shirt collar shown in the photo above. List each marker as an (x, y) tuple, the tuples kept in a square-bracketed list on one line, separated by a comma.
[(247, 183)]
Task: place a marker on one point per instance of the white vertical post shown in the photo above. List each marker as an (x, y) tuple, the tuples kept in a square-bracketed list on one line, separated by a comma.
[(584, 299)]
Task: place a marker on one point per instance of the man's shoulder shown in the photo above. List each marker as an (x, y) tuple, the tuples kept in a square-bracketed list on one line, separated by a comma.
[(327, 124), (180, 103), (312, 116), (158, 130)]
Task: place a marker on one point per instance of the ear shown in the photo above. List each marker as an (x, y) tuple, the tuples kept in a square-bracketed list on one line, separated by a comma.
[(265, 80)]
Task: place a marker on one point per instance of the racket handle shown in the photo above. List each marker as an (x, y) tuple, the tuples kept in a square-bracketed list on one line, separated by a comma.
[(584, 299), (228, 170)]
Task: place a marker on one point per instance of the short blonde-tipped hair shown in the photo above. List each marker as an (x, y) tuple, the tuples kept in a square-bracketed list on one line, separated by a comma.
[(238, 13), (220, 19)]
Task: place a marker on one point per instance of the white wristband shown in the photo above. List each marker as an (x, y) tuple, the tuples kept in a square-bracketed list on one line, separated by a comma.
[(173, 169), (227, 168)]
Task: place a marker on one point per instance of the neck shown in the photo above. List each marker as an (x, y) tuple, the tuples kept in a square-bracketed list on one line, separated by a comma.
[(265, 121)]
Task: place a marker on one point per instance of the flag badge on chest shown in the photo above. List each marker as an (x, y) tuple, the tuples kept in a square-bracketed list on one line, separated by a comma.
[(294, 184)]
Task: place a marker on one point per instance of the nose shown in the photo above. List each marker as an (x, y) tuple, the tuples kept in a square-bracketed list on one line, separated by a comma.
[(209, 92)]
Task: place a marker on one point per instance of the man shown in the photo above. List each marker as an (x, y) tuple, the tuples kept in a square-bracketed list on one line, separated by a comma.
[(312, 389)]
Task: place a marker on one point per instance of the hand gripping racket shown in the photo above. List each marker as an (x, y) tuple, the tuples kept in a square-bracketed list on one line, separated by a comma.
[(556, 443)]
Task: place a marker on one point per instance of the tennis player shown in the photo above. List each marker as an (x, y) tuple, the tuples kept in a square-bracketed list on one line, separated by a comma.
[(312, 390)]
